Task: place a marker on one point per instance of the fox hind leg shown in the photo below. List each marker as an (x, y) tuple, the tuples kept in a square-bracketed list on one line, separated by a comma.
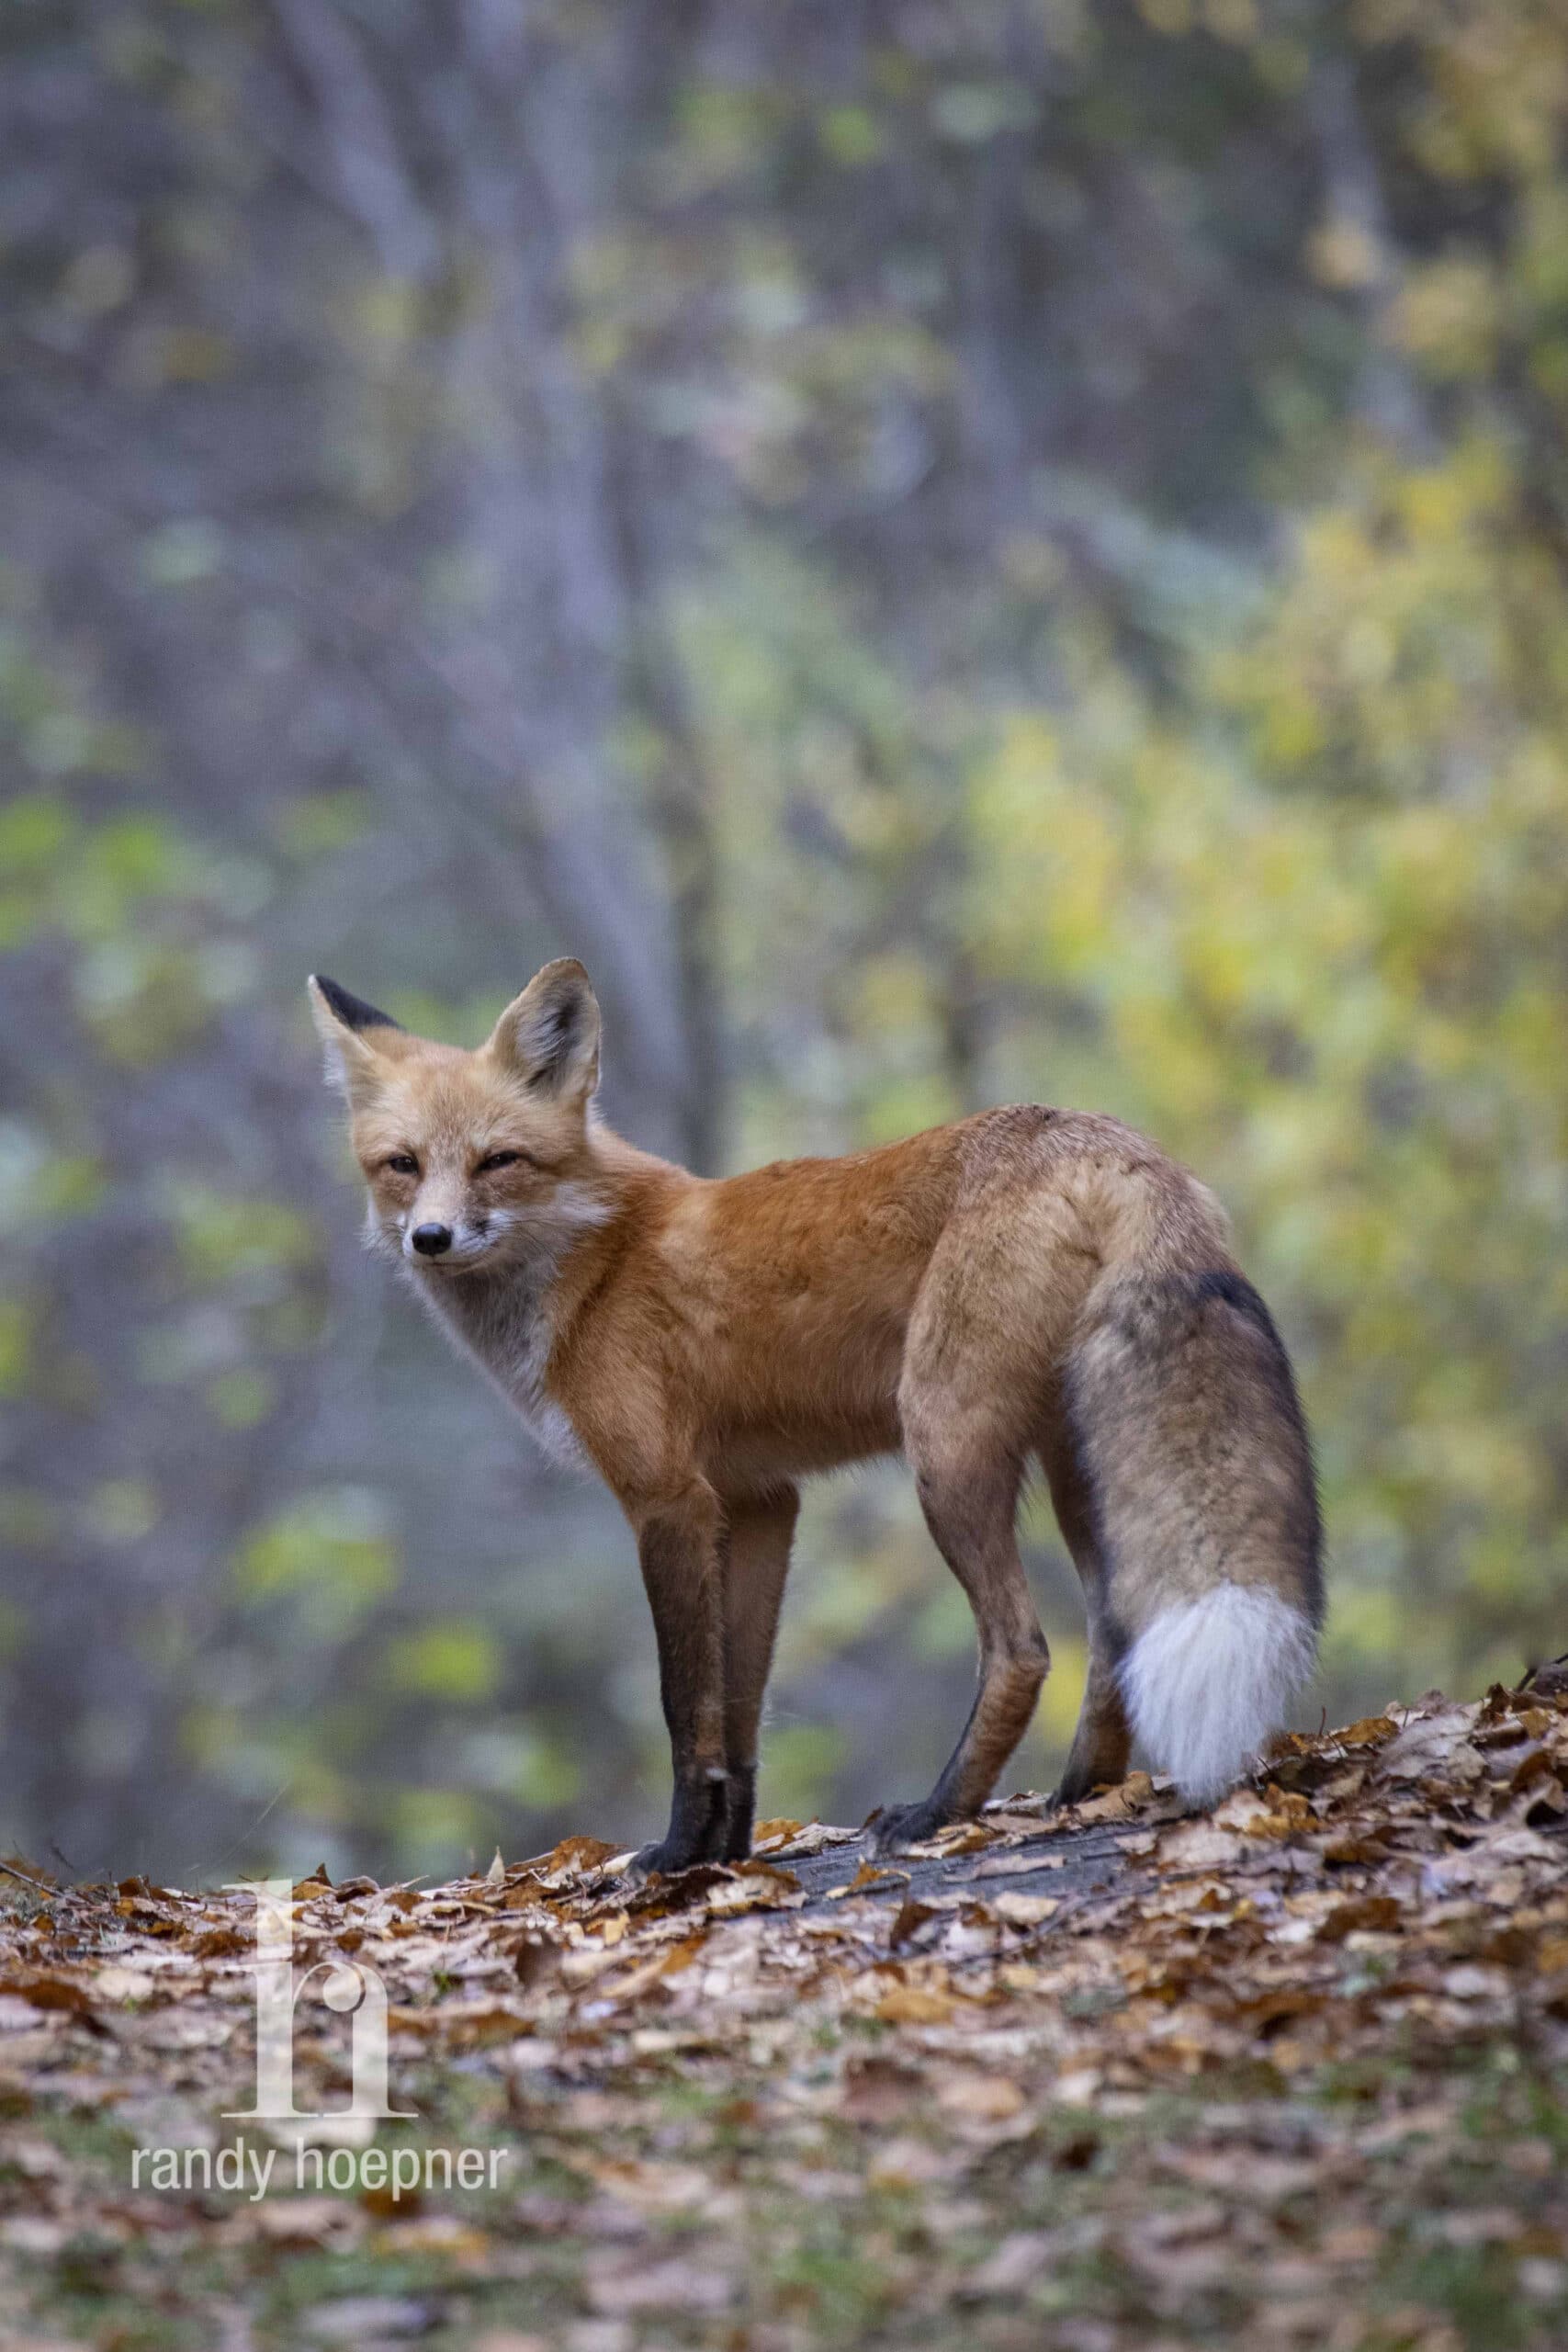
[(968, 1487), (1103, 1740)]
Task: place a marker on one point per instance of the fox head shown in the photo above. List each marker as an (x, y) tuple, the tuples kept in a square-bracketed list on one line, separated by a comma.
[(471, 1160)]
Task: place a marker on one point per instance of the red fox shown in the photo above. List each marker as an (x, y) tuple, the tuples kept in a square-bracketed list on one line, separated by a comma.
[(1023, 1284)]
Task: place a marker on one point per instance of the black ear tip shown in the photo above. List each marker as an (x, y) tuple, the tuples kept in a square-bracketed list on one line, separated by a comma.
[(352, 1010)]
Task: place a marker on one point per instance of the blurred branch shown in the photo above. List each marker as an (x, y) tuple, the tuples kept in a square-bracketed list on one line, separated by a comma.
[(367, 167)]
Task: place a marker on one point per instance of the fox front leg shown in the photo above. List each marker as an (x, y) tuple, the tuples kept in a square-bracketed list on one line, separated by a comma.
[(678, 1552), (755, 1559)]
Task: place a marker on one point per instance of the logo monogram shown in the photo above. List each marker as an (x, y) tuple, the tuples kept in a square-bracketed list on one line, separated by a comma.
[(352, 1989)]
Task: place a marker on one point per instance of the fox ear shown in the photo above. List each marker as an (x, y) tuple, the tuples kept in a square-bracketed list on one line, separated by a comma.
[(549, 1036), (348, 1028)]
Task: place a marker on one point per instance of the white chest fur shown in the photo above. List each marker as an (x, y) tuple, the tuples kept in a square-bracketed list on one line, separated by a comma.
[(504, 1321)]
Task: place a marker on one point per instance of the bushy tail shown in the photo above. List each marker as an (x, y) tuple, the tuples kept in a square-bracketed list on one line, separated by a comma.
[(1191, 1435)]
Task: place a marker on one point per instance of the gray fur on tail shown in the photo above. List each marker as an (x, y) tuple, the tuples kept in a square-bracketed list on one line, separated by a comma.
[(1191, 1435)]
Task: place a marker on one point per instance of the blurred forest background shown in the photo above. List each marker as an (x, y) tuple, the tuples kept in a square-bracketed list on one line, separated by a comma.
[(953, 553)]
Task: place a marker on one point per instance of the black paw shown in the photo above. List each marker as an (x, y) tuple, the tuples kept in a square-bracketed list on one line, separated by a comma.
[(897, 1825), (1072, 1789), (667, 1857), (699, 1818)]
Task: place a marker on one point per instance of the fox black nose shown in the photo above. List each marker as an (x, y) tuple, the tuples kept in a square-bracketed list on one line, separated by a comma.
[(432, 1240)]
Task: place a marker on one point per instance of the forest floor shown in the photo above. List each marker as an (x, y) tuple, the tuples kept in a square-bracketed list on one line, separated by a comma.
[(1291, 2074)]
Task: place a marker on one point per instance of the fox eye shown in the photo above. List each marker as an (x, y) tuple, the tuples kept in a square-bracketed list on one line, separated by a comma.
[(403, 1163), (495, 1159)]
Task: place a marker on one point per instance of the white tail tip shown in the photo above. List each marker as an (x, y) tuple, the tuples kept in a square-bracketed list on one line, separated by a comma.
[(1208, 1680)]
